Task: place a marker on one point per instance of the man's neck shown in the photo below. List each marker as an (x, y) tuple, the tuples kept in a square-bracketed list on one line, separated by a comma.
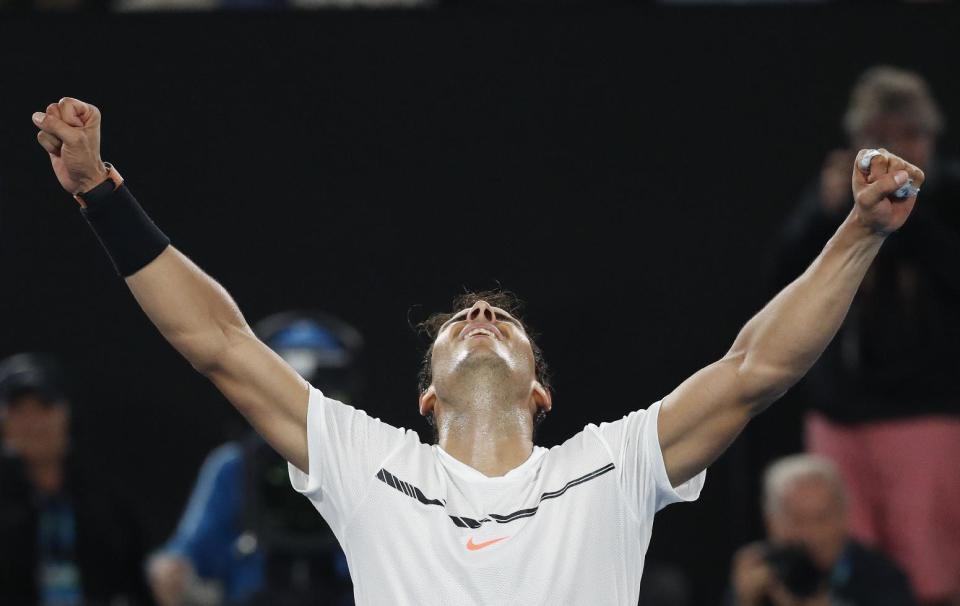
[(491, 440), (484, 420)]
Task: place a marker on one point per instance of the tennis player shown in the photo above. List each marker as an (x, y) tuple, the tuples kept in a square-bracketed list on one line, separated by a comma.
[(483, 516)]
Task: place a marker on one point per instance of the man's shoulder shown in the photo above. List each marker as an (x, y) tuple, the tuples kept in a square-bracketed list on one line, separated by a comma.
[(599, 440)]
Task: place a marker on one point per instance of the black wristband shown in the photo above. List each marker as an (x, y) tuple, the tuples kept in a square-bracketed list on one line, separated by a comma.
[(126, 232), (99, 193)]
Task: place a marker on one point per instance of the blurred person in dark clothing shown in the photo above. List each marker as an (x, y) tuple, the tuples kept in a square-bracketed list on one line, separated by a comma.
[(64, 541), (809, 558), (886, 406), (209, 559), (245, 538)]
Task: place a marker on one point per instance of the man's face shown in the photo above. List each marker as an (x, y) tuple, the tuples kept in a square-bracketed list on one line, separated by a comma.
[(34, 429), (811, 514), (899, 135), (482, 337)]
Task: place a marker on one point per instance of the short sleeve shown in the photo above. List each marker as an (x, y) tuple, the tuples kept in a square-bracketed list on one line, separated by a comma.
[(635, 446), (345, 449)]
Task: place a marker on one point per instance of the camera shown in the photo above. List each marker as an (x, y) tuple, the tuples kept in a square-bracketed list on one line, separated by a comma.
[(795, 569)]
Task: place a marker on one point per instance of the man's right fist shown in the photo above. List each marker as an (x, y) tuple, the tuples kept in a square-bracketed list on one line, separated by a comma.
[(70, 132)]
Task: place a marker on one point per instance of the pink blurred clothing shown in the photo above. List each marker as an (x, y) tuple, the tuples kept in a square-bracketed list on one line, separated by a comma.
[(903, 478)]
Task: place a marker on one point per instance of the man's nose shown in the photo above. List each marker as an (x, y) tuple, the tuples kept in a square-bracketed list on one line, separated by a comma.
[(482, 311)]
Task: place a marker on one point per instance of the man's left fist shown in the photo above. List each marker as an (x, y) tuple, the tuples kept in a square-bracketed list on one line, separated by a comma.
[(874, 184)]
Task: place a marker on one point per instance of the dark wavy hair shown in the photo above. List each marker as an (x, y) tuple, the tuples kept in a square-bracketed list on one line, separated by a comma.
[(506, 301)]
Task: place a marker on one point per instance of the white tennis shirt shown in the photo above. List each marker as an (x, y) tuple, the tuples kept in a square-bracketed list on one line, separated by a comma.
[(570, 525)]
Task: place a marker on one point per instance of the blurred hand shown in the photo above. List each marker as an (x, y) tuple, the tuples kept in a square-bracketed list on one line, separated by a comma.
[(174, 582), (169, 578), (835, 181), (70, 133), (751, 576), (874, 206)]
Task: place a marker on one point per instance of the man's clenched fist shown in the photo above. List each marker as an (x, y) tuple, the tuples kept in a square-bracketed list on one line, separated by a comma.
[(70, 132), (876, 208)]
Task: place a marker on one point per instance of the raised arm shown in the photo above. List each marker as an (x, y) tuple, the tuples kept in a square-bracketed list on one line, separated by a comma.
[(198, 317), (189, 308), (701, 417)]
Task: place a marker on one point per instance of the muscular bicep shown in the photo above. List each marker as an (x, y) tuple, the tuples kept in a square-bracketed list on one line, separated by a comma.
[(700, 418), (268, 392)]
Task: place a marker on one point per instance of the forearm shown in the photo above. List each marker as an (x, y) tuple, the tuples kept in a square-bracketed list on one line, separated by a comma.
[(780, 344), (192, 311), (704, 414), (189, 308), (802, 238)]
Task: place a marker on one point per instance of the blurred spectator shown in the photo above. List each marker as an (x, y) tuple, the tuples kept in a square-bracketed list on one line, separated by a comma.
[(886, 405), (245, 537), (208, 561), (809, 558), (64, 541)]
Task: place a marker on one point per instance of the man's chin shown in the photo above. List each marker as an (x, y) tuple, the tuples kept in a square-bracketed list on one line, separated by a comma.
[(479, 357), (479, 368), (481, 352), (480, 345)]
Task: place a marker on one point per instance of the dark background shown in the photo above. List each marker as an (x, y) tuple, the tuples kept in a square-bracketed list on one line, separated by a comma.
[(625, 170)]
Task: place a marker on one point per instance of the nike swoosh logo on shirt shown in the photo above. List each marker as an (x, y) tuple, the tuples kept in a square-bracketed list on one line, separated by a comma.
[(475, 546)]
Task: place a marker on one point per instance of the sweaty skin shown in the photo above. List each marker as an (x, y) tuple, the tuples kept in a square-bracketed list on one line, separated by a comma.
[(485, 394)]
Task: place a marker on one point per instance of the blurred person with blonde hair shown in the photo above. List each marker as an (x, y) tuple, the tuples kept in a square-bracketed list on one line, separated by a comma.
[(884, 398)]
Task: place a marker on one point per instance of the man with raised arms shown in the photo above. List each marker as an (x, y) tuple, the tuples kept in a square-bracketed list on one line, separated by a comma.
[(484, 516)]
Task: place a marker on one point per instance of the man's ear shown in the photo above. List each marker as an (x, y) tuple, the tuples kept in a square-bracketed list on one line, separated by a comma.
[(542, 397), (428, 400)]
